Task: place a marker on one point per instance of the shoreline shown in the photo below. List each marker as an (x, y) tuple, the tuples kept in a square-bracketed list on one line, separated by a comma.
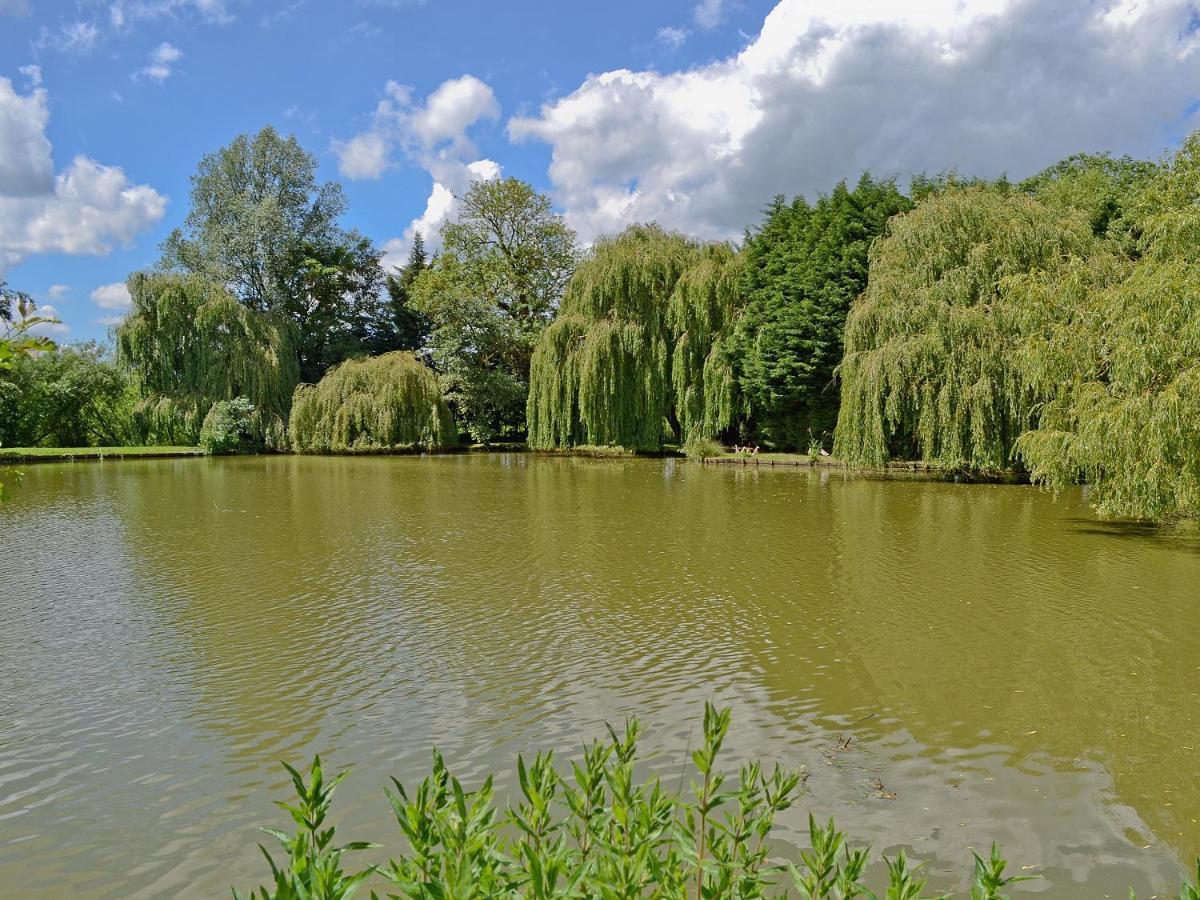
[(24, 455), (913, 468)]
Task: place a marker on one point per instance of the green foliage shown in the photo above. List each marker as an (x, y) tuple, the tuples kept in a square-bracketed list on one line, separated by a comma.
[(700, 316), (18, 338), (804, 266), (314, 864), (256, 206), (703, 448), (931, 369), (340, 310), (489, 295), (263, 227), (640, 346), (1122, 372), (378, 403), (191, 345), (74, 396), (17, 342), (228, 427), (599, 832), (411, 326), (1097, 184)]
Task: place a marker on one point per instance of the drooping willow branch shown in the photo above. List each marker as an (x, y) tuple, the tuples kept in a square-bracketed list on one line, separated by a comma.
[(192, 344), (379, 403), (638, 352)]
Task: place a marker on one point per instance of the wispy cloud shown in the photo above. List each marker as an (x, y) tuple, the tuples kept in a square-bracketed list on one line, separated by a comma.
[(73, 37), (270, 20), (708, 14), (161, 64), (672, 37)]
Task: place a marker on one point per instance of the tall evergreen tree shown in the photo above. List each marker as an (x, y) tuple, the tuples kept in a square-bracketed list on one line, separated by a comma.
[(804, 266), (409, 324)]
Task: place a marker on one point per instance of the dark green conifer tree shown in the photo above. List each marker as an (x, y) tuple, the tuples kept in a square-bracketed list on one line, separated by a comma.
[(803, 267)]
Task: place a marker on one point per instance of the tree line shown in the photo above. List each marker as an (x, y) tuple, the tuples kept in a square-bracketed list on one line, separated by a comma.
[(1049, 325)]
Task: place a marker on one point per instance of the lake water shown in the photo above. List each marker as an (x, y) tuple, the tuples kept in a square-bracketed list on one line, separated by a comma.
[(1006, 665)]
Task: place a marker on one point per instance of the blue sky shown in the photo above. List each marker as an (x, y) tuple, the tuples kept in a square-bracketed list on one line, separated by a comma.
[(691, 113)]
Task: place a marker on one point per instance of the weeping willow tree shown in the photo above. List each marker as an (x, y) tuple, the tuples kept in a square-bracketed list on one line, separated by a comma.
[(1123, 373), (701, 314), (638, 346), (192, 345), (379, 403), (932, 367)]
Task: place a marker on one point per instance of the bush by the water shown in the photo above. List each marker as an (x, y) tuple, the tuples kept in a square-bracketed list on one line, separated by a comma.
[(388, 402), (600, 833), (228, 427)]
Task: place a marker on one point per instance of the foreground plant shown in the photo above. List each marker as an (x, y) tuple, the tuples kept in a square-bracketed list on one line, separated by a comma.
[(599, 833), (314, 869)]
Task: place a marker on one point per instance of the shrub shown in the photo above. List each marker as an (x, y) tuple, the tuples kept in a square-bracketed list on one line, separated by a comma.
[(228, 427), (703, 448)]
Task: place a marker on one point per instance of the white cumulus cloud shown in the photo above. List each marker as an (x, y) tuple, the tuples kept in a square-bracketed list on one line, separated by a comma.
[(433, 134), (85, 209), (57, 290), (364, 156), (112, 296), (826, 91), (26, 167)]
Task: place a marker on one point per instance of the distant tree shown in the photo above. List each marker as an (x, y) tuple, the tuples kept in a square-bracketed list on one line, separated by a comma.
[(935, 367), (192, 344), (490, 293), (803, 268), (387, 402), (73, 396), (638, 352), (340, 309), (17, 340), (411, 326), (266, 230)]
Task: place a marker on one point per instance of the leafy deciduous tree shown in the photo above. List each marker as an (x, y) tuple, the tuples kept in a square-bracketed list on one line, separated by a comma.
[(264, 228), (639, 350), (490, 293)]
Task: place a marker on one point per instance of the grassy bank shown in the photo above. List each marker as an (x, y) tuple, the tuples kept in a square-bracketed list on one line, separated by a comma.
[(56, 454)]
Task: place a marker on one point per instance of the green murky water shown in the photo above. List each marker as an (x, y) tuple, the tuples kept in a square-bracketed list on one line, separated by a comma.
[(1004, 664)]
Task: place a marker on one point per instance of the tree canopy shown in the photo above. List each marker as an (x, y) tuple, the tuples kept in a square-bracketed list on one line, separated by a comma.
[(639, 349), (931, 368), (1122, 373), (386, 402), (490, 293), (263, 227), (73, 396), (804, 266), (192, 344)]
